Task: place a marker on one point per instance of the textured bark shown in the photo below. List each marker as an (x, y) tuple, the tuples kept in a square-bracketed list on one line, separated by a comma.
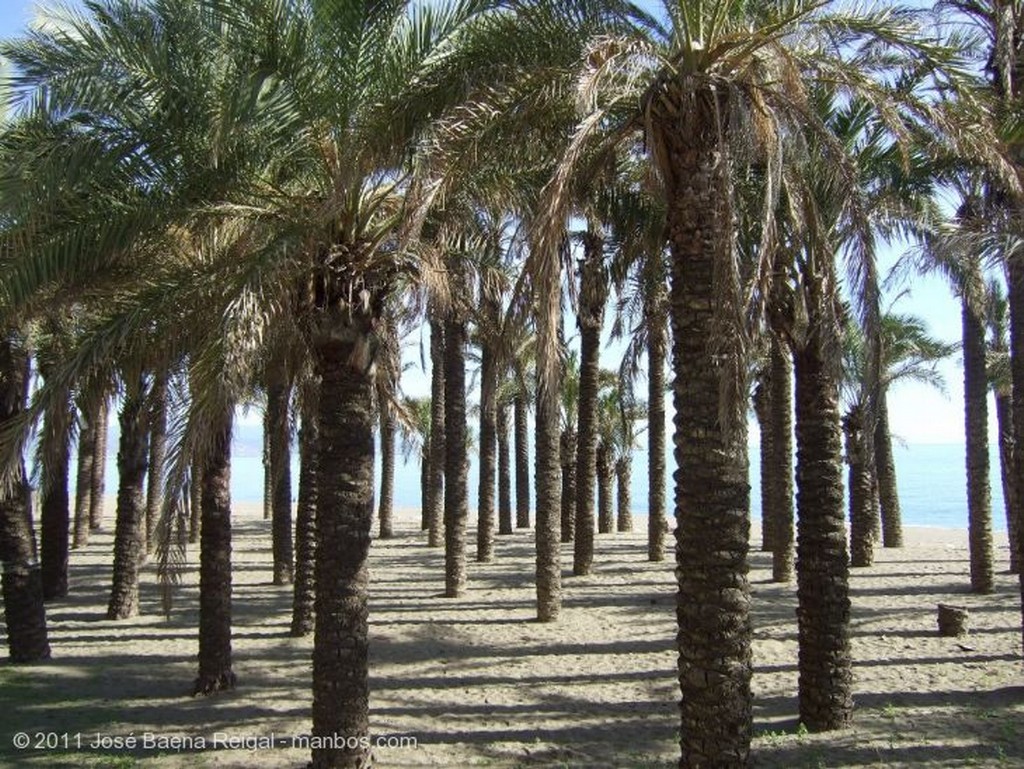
[(1010, 484), (435, 504), (979, 505), (504, 473), (592, 300), (522, 455), (343, 521), (488, 452), (605, 489), (215, 673), (305, 521), (823, 613), (548, 483), (456, 487), (567, 457), (24, 613), (279, 392), (83, 482), (781, 427), (655, 303), (385, 506), (55, 519), (624, 478), (862, 542), (157, 456), (129, 529), (885, 476), (268, 475), (1015, 279), (195, 503), (712, 495), (99, 467)]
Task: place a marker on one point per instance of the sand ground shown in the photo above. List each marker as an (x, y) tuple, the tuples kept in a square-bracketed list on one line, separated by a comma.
[(476, 682)]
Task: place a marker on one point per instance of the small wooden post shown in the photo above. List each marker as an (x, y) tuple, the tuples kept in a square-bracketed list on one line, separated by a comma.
[(953, 620)]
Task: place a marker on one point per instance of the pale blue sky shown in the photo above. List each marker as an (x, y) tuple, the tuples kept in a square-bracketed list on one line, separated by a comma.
[(918, 414)]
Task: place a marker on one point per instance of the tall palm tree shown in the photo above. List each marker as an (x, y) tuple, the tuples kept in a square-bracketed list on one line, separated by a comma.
[(24, 614), (998, 365), (83, 475), (567, 444), (157, 454), (699, 80), (593, 296), (132, 461), (456, 463), (435, 483), (305, 519), (279, 383)]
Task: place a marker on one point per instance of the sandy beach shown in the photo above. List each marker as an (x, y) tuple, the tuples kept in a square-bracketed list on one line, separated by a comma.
[(477, 682)]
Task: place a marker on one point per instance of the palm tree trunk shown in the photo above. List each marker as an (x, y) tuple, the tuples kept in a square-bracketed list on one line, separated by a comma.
[(83, 482), (592, 299), (780, 425), (56, 516), (305, 519), (268, 473), (624, 476), (504, 473), (22, 584), (605, 488), (99, 466), (885, 472), (567, 456), (979, 506), (456, 488), (488, 453), (195, 503), (385, 507), (761, 398), (657, 522), (1015, 293), (279, 391), (823, 613), (435, 505), (548, 483), (862, 543), (343, 523), (132, 458), (712, 497), (215, 673), (522, 454), (1011, 486), (157, 456)]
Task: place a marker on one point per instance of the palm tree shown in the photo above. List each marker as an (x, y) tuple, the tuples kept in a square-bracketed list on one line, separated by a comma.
[(593, 296), (504, 469), (215, 670), (84, 473), (387, 397), (157, 454), (24, 614), (456, 464), (279, 383), (435, 500), (305, 518), (998, 366), (132, 461), (99, 466), (567, 444)]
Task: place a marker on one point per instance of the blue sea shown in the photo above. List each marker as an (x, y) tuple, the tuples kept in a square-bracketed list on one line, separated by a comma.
[(931, 480)]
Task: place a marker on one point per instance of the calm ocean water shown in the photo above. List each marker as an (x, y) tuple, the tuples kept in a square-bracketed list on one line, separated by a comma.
[(930, 477)]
